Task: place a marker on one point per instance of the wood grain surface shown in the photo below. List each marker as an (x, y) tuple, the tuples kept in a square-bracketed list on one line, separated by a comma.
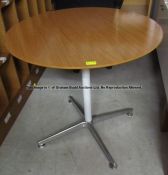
[(66, 39)]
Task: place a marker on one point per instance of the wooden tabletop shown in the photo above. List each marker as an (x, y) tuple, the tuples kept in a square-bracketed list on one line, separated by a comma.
[(82, 38)]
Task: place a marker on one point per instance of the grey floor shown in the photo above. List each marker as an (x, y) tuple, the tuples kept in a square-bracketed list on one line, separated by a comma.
[(135, 143)]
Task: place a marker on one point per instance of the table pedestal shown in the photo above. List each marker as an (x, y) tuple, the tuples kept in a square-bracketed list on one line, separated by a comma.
[(87, 119)]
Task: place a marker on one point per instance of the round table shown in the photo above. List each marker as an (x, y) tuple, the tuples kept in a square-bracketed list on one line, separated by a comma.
[(84, 38)]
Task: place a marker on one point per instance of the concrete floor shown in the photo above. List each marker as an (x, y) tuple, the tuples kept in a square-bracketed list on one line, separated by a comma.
[(135, 143)]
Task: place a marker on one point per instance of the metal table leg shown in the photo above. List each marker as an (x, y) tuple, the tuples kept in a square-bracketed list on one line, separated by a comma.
[(87, 119)]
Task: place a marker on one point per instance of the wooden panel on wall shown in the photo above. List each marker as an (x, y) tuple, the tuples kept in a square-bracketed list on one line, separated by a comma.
[(10, 15), (22, 70), (14, 74), (22, 67), (22, 9), (135, 2), (4, 101), (1, 4), (138, 6), (48, 5), (33, 8), (10, 78), (15, 105), (41, 6), (149, 4), (3, 49)]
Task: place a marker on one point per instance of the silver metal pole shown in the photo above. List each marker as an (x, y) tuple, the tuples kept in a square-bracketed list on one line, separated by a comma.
[(87, 94)]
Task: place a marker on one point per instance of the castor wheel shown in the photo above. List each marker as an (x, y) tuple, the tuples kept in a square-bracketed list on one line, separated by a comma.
[(130, 114), (113, 165), (41, 145), (69, 99)]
